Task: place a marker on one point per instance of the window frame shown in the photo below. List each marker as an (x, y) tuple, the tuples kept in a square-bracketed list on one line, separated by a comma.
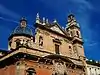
[(57, 48), (32, 70), (41, 41)]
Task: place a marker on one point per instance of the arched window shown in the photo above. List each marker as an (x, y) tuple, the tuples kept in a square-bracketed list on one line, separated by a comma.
[(17, 42), (31, 71), (40, 41), (69, 47), (77, 34), (55, 73), (57, 49), (70, 50), (71, 33), (65, 73), (27, 44)]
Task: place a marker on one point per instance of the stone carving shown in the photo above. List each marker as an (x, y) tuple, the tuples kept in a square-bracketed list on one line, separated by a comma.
[(60, 68), (23, 42)]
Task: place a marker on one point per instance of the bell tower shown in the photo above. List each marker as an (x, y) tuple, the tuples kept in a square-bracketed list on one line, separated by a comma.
[(73, 29)]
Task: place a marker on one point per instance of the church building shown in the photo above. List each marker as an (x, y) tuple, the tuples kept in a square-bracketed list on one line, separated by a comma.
[(45, 49)]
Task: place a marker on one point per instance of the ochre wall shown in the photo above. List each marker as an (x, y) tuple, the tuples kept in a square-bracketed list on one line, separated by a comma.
[(41, 69), (49, 45), (8, 70), (46, 69)]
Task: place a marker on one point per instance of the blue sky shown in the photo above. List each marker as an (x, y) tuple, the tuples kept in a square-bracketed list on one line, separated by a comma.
[(87, 13)]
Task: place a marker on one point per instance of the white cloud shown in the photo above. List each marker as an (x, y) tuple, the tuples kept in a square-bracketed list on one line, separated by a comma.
[(92, 44), (83, 3), (7, 12), (9, 20)]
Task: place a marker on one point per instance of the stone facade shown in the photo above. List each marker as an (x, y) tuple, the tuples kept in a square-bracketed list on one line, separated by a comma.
[(52, 50), (93, 67)]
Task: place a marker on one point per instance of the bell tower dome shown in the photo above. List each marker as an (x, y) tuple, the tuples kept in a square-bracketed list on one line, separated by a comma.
[(21, 36)]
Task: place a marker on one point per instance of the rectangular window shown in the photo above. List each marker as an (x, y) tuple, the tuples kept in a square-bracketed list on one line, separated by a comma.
[(57, 49)]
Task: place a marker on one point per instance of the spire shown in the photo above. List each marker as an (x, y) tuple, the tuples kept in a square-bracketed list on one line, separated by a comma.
[(71, 21), (37, 18), (43, 20), (23, 22)]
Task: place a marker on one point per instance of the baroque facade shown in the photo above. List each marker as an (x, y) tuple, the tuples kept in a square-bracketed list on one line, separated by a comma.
[(48, 49)]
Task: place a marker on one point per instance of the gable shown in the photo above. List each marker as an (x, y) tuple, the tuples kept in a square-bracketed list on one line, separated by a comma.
[(57, 29)]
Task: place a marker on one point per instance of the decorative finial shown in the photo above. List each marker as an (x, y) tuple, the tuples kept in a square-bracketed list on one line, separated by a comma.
[(23, 19), (43, 20), (23, 22), (55, 21), (47, 22), (96, 61), (62, 27), (37, 18)]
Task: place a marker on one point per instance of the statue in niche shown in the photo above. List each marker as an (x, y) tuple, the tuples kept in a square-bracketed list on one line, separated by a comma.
[(40, 41)]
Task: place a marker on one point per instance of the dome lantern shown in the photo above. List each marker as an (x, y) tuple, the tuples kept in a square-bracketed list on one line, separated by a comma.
[(23, 22)]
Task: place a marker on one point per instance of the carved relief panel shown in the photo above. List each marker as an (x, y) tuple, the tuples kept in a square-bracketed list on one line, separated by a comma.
[(59, 68)]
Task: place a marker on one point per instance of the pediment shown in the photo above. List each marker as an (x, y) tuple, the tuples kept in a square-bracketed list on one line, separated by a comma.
[(56, 28)]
